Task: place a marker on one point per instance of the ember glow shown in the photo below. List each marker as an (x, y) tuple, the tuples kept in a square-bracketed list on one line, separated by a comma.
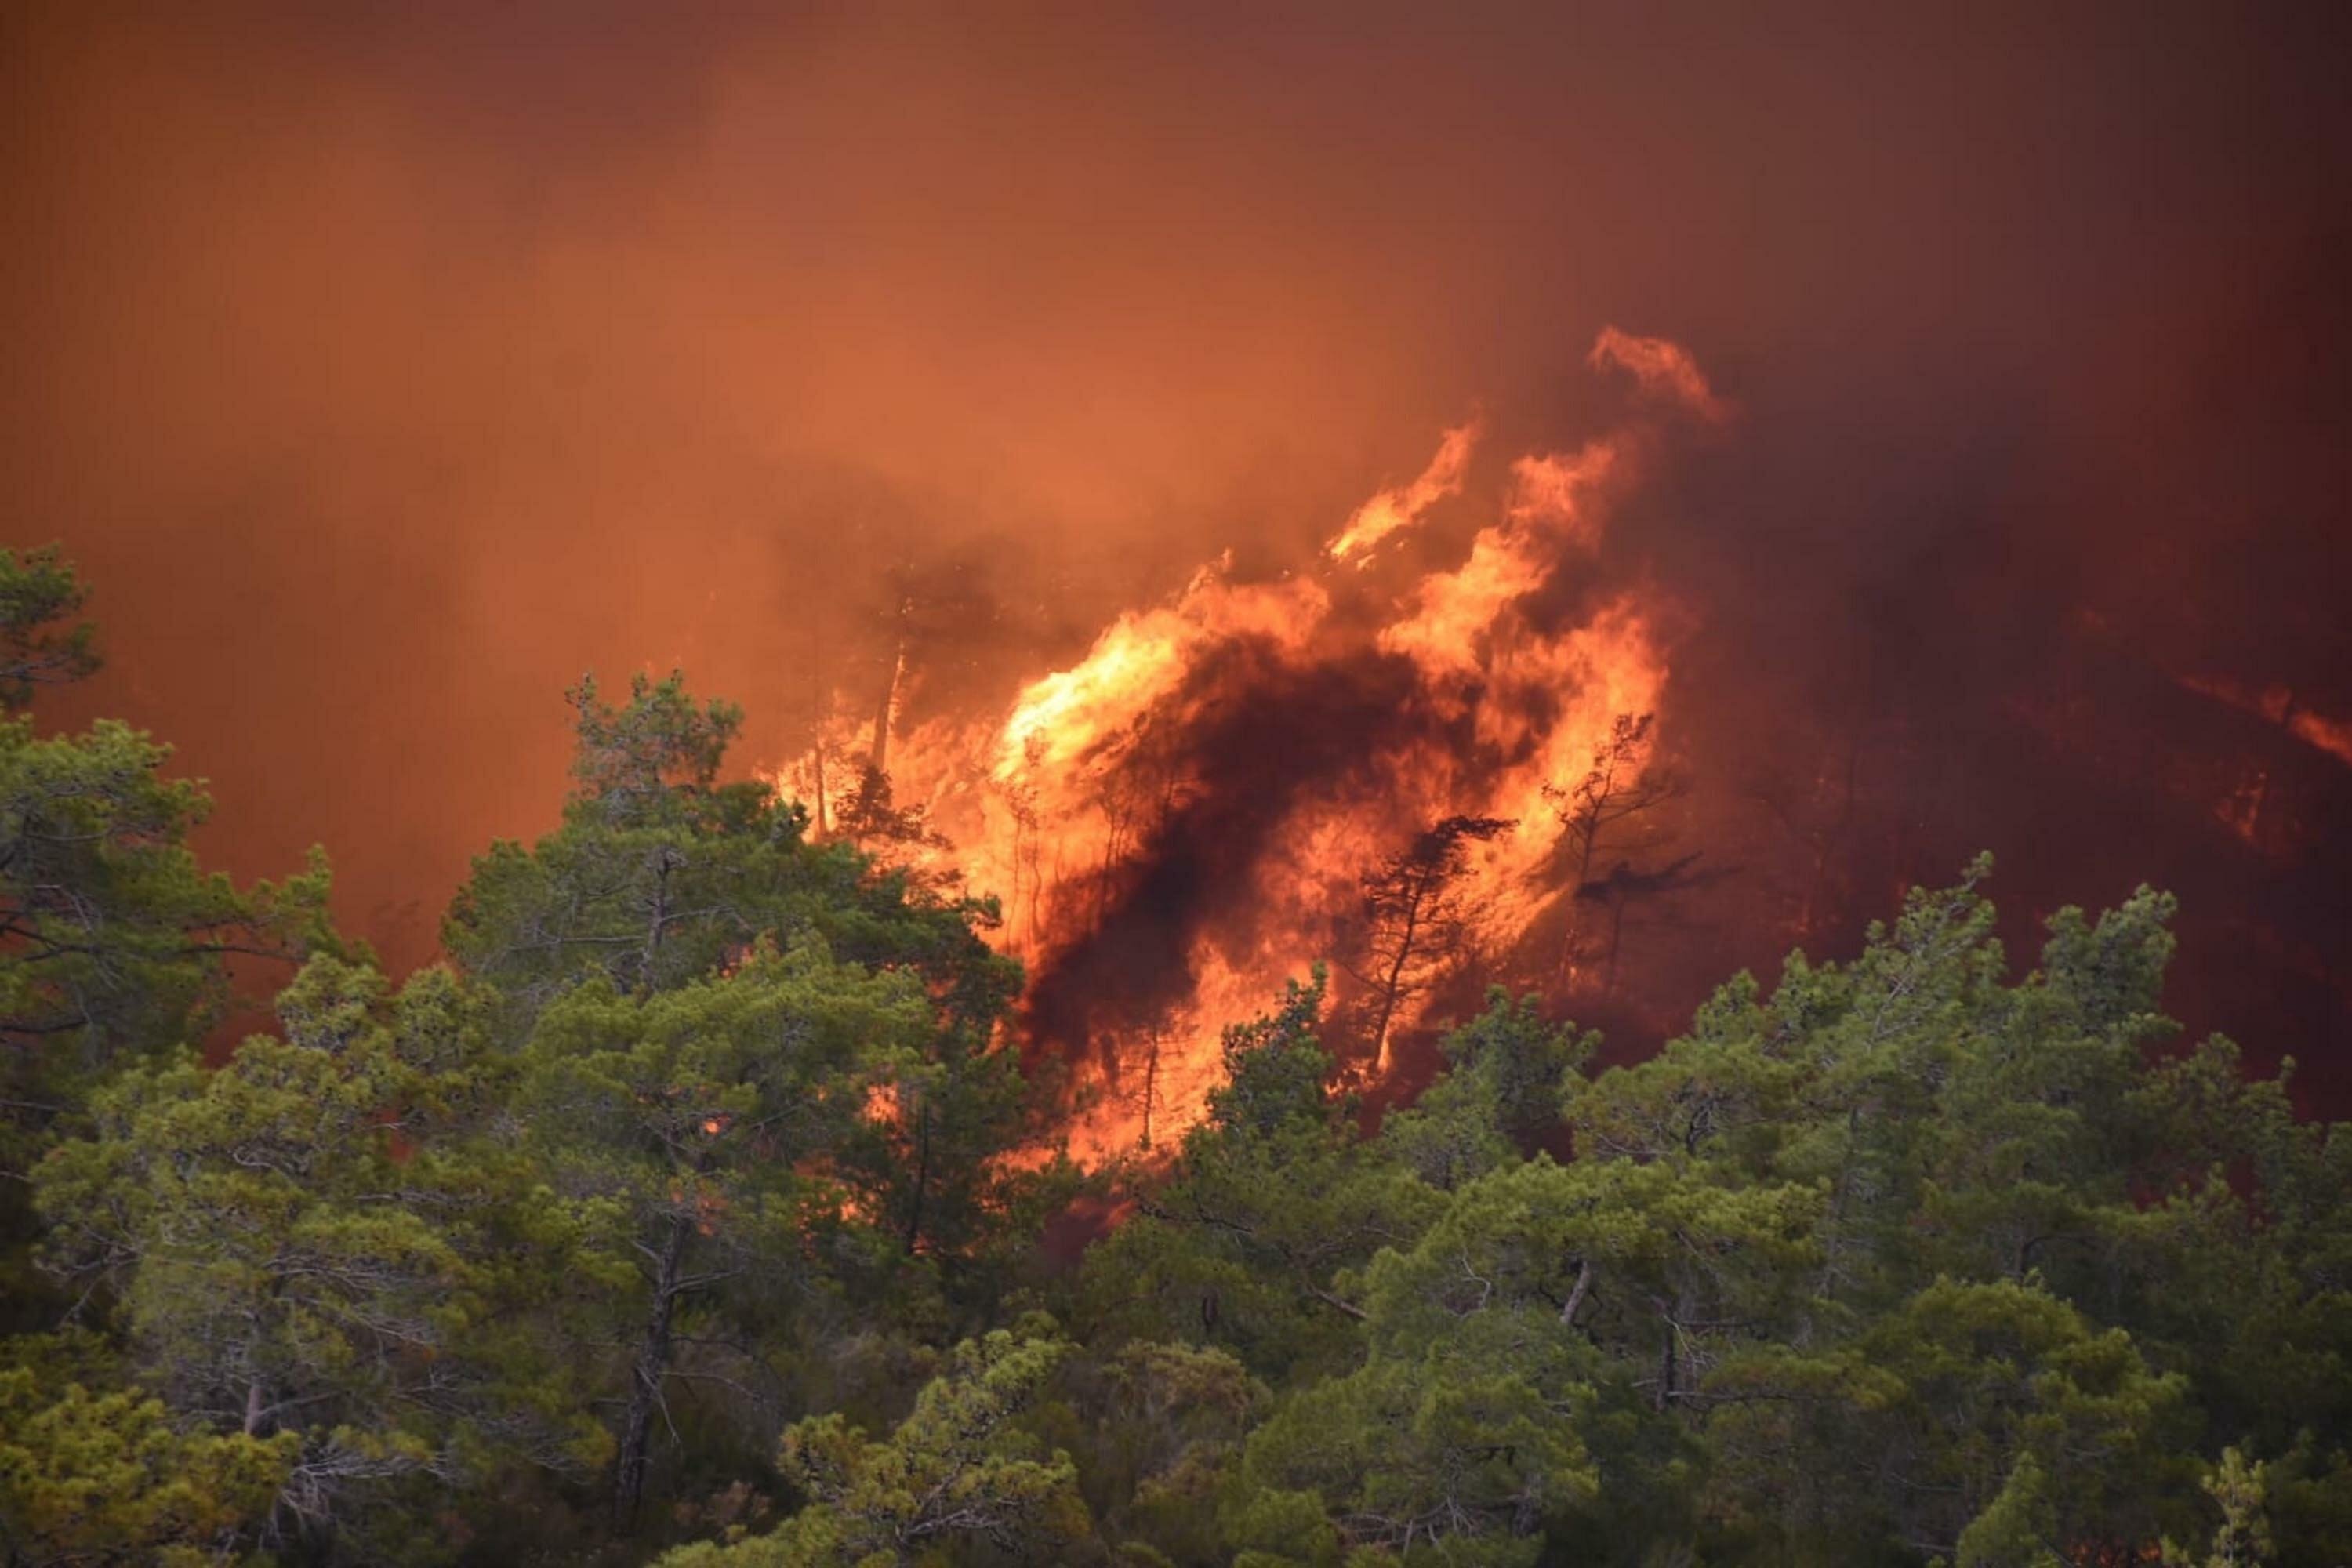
[(2278, 705), (776, 637), (1161, 882), (1193, 453)]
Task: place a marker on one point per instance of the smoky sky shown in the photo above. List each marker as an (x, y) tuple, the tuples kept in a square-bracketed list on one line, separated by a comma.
[(385, 367)]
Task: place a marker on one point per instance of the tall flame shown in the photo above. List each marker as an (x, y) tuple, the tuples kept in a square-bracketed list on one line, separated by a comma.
[(1393, 509), (1348, 713)]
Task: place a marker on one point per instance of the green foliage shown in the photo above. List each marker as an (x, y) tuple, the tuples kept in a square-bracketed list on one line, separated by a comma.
[(1990, 1410), (1161, 1455), (39, 589), (675, 1183), (662, 877), (114, 946), (958, 1469), (1271, 1201), (661, 873), (759, 1078), (715, 1103), (106, 1475), (686, 1138), (1498, 1097), (284, 1267), (1438, 1458), (116, 941), (2242, 1538), (1905, 1258)]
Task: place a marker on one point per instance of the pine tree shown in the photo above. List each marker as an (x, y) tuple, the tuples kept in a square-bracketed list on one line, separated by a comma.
[(1416, 924), (689, 1135), (116, 944), (957, 1469), (297, 1247), (748, 1058)]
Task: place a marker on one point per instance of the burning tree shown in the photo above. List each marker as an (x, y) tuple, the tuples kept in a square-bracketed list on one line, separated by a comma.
[(872, 819), (865, 658), (1119, 807), (1416, 924), (1019, 795), (1623, 783), (699, 1003), (1138, 798), (1624, 886), (1620, 784)]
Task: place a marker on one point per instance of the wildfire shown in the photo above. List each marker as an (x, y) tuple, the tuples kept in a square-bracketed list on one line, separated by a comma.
[(1199, 807), (1390, 511), (2279, 706)]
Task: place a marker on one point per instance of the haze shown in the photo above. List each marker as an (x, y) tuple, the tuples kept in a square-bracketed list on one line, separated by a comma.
[(386, 367)]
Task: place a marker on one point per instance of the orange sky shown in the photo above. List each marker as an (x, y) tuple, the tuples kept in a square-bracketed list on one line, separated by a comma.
[(386, 366)]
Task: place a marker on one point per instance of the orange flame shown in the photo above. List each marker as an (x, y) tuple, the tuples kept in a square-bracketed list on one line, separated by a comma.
[(1662, 369), (1045, 803), (1390, 511), (2279, 706)]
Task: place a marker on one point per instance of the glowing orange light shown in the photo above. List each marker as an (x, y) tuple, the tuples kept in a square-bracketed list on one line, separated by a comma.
[(1046, 801)]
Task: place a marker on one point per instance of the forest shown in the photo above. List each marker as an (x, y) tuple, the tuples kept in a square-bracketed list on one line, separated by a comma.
[(697, 1207)]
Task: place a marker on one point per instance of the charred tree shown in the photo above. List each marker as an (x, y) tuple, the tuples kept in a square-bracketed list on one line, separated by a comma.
[(873, 820), (1624, 886), (1151, 1080), (1622, 784), (1415, 925), (650, 1367), (1021, 805)]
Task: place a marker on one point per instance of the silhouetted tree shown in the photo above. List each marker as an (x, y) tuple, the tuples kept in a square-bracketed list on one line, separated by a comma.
[(38, 590), (1817, 803), (1623, 783), (1620, 784), (115, 943), (1626, 886), (872, 819), (1415, 925)]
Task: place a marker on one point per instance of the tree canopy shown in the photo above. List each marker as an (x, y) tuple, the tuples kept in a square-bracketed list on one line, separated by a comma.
[(696, 1209)]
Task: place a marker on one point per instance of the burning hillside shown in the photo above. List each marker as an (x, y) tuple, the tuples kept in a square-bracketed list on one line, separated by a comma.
[(1409, 773), (1030, 531), (1496, 729)]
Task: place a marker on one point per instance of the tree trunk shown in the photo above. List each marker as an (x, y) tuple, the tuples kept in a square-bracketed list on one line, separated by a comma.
[(883, 711), (821, 823), (1576, 1295), (665, 860), (922, 1178), (1151, 1085), (645, 1375), (1616, 936), (1393, 987), (820, 709), (1585, 828), (1666, 1365)]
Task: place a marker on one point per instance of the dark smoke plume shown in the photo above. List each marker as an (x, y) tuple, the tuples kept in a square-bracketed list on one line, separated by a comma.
[(386, 366)]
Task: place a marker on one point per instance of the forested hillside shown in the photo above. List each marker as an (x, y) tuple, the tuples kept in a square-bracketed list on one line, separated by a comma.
[(696, 1208)]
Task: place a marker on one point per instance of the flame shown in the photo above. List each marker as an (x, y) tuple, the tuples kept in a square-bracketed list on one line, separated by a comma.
[(1060, 804), (2280, 706), (1662, 369), (1064, 716), (1392, 511), (1454, 611)]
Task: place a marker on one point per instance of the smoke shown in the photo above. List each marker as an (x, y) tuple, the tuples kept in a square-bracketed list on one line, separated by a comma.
[(385, 367)]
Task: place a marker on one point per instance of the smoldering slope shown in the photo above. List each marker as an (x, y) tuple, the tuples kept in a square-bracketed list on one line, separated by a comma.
[(385, 367)]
